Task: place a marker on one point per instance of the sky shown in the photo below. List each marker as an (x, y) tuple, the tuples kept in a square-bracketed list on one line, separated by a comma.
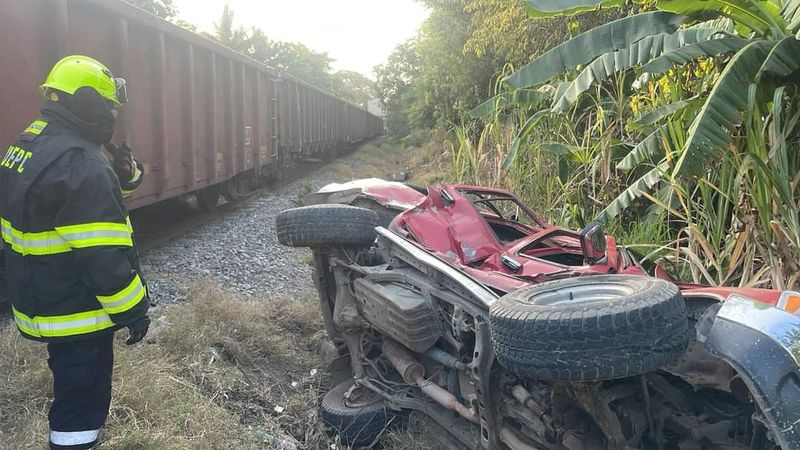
[(358, 34)]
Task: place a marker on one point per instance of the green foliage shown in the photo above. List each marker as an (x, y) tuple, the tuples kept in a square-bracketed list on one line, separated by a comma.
[(643, 50), (354, 86), (294, 58), (667, 122), (649, 149), (760, 16), (548, 8), (588, 46), (438, 77), (397, 91), (508, 99), (692, 52), (431, 80), (450, 80), (713, 128)]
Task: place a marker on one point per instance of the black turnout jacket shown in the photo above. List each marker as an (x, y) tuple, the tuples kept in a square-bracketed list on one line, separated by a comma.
[(71, 263)]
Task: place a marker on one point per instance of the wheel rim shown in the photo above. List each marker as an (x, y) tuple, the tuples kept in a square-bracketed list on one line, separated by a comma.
[(361, 397), (581, 293)]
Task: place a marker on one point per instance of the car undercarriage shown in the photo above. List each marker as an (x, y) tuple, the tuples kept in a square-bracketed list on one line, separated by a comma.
[(597, 361)]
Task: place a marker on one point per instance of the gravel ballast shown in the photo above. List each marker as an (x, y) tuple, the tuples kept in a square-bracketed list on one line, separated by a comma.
[(239, 249)]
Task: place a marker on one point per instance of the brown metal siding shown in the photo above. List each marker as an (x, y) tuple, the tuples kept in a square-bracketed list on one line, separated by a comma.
[(199, 114)]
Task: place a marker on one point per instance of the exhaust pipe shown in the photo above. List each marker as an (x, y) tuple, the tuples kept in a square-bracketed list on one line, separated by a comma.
[(512, 441), (414, 373)]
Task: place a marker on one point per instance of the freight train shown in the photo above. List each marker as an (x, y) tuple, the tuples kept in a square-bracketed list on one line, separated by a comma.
[(202, 118)]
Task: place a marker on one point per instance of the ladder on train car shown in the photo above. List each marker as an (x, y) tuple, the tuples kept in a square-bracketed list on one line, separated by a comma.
[(275, 122)]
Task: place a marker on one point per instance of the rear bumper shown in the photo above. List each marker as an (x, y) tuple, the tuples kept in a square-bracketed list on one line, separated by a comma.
[(763, 344)]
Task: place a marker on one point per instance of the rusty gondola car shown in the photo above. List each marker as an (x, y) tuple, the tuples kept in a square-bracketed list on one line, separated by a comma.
[(202, 118)]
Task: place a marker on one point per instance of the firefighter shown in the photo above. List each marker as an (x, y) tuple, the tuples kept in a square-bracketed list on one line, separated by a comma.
[(71, 263)]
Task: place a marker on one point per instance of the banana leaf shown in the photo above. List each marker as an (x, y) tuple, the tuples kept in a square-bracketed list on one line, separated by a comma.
[(557, 148), (508, 99), (588, 46), (561, 152), (760, 16), (791, 15), (538, 9), (646, 150), (714, 125), (521, 136), (783, 60), (691, 52), (640, 52), (723, 24), (634, 191), (662, 112)]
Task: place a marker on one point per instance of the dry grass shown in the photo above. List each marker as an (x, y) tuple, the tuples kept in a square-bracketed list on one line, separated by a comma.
[(375, 159), (208, 376), (423, 164), (428, 161), (418, 436)]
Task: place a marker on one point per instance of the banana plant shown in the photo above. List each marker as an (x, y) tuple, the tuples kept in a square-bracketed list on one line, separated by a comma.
[(759, 39), (549, 8)]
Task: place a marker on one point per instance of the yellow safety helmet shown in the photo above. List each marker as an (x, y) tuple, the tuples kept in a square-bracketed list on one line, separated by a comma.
[(76, 71)]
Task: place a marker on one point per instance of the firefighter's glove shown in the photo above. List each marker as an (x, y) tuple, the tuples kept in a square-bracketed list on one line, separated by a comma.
[(138, 330), (126, 168)]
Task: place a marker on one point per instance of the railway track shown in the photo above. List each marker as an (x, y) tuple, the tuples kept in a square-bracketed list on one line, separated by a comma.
[(163, 222)]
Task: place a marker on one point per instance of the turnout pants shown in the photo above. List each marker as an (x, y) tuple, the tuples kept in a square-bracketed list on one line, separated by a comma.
[(81, 390)]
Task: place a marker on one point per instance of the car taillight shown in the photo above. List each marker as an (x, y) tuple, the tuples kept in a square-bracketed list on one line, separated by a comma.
[(789, 301)]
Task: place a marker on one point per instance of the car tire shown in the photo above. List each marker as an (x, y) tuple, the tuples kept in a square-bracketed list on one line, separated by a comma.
[(355, 426), (321, 225), (590, 328)]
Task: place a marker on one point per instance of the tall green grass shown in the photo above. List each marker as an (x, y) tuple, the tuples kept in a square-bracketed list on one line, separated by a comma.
[(738, 224)]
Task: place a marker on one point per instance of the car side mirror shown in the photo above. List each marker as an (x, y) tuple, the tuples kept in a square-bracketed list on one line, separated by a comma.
[(593, 243)]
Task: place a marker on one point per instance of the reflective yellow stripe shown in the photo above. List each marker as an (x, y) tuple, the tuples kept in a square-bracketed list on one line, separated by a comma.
[(125, 299), (38, 244), (63, 326), (96, 234), (36, 127), (64, 239)]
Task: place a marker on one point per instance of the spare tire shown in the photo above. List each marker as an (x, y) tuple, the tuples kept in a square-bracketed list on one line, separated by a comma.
[(320, 225), (359, 421), (590, 328)]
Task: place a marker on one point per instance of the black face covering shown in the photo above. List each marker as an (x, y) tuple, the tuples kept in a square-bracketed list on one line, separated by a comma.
[(92, 116)]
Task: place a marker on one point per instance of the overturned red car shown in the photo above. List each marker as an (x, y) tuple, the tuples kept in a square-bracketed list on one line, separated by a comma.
[(464, 304)]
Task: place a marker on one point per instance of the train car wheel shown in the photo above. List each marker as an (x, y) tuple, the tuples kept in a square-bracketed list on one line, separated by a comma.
[(236, 188), (208, 198)]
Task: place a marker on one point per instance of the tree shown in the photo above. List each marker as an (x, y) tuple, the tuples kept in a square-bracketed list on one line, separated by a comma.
[(291, 57), (161, 8), (395, 87), (500, 28), (229, 34), (457, 53), (354, 86), (431, 80)]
